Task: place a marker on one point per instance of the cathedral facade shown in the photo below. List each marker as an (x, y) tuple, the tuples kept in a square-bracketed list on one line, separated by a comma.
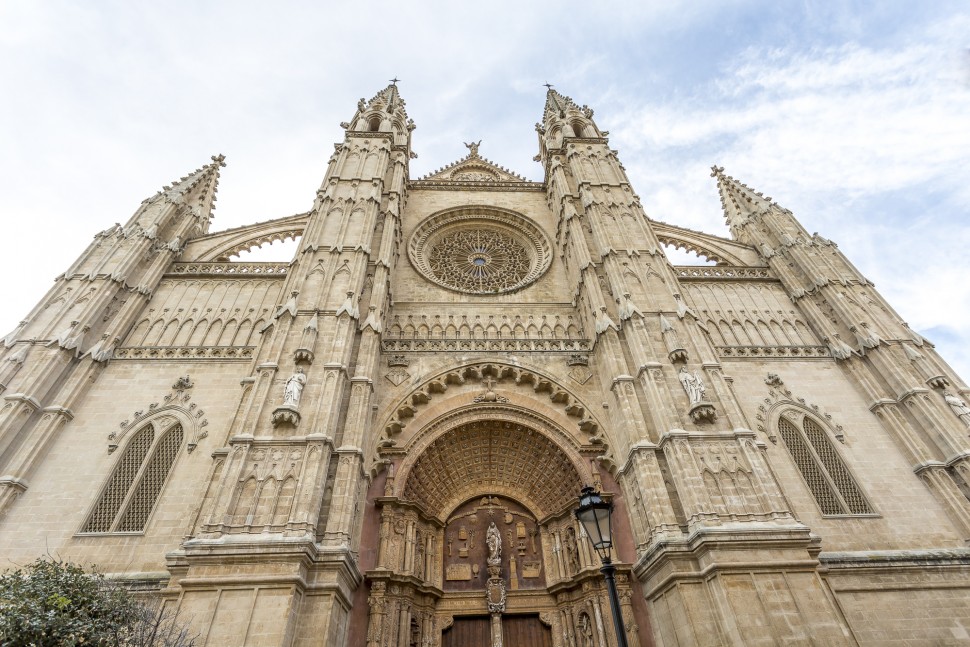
[(382, 441)]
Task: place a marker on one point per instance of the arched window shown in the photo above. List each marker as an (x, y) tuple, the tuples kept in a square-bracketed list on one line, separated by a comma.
[(578, 128), (823, 469), (374, 124), (132, 490)]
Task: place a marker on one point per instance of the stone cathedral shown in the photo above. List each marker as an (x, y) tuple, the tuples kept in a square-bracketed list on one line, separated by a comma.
[(339, 450)]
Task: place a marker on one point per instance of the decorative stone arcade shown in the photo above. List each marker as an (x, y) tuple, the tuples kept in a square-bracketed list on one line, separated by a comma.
[(477, 538)]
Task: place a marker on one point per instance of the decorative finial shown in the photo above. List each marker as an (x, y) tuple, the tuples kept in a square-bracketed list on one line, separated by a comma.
[(394, 81), (220, 159), (548, 86), (716, 170), (473, 147)]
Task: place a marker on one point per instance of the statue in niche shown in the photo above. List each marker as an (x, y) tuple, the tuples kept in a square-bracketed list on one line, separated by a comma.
[(692, 384), (294, 389), (493, 539), (572, 558), (959, 406), (586, 630)]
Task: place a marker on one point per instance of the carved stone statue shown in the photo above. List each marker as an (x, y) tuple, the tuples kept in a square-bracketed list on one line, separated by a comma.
[(473, 147), (959, 407), (692, 384), (294, 389), (493, 539), (586, 630)]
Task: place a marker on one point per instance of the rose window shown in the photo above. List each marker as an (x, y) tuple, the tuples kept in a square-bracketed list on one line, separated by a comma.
[(479, 250)]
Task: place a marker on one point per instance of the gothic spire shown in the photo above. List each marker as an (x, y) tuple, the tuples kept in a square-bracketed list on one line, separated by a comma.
[(384, 112), (387, 100), (557, 105), (197, 190), (738, 200)]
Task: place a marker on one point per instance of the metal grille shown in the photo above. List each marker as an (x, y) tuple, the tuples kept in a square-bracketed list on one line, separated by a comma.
[(151, 483), (837, 470), (114, 494), (827, 500)]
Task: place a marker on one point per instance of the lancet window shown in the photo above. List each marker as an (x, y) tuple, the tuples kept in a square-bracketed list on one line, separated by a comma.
[(132, 490), (824, 471)]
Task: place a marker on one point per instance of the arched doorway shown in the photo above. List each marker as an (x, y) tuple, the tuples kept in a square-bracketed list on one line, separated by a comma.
[(480, 473)]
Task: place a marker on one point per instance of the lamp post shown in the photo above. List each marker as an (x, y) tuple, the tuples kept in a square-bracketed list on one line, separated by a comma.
[(594, 513)]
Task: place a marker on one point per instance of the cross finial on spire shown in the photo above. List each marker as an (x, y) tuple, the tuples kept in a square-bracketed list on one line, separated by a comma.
[(394, 81), (548, 86), (220, 159), (716, 170)]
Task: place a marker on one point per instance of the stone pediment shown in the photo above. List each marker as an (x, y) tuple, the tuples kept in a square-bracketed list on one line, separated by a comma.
[(474, 170)]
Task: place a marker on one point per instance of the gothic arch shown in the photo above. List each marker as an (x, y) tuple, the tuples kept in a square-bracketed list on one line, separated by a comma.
[(491, 449), (499, 371)]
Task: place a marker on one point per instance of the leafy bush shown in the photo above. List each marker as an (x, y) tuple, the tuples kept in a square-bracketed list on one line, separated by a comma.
[(51, 603)]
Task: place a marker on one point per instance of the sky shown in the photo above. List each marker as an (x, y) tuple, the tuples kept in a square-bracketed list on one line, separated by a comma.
[(854, 115)]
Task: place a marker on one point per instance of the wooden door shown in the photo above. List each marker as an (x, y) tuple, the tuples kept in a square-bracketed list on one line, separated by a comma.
[(517, 631), (525, 631), (468, 632)]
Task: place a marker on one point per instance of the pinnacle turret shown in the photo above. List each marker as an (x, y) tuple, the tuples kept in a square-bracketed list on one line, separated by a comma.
[(738, 200), (559, 106), (564, 118), (197, 190), (384, 112)]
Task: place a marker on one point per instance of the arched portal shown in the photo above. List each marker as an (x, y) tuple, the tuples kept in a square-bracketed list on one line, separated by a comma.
[(476, 522)]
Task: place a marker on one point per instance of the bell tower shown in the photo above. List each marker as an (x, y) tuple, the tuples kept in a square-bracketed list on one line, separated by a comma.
[(673, 409), (292, 473)]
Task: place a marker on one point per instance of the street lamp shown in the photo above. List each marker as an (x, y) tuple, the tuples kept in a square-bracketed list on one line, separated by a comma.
[(594, 513)]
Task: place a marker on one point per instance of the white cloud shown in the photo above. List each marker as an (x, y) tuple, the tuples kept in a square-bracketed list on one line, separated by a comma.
[(869, 146), (104, 104)]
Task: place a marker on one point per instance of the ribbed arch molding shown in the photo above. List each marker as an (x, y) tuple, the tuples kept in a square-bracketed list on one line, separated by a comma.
[(498, 457)]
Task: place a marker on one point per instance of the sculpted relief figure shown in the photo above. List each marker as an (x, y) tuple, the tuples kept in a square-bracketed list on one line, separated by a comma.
[(293, 389), (692, 384), (473, 147), (959, 407), (493, 539)]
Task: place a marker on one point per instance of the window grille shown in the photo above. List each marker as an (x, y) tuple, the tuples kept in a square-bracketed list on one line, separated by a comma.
[(133, 488), (824, 472), (143, 500), (114, 494)]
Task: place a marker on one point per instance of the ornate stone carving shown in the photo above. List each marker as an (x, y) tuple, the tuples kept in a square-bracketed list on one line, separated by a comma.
[(293, 390), (177, 400), (779, 395), (489, 394), (675, 350), (397, 375), (183, 353), (479, 250), (288, 412), (700, 409), (455, 466), (240, 269), (493, 539), (959, 407)]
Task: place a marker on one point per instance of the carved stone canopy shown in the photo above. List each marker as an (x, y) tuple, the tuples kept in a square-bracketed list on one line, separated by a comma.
[(495, 457)]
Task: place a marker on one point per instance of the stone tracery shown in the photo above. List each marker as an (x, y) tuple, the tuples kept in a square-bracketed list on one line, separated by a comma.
[(479, 260), (479, 250)]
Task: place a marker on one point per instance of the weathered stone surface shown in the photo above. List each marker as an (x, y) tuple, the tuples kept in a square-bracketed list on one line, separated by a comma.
[(294, 457)]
